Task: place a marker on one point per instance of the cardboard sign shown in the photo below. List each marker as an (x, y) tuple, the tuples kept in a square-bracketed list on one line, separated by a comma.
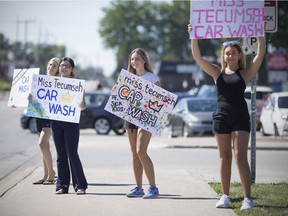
[(141, 102), (226, 18), (21, 85), (56, 98)]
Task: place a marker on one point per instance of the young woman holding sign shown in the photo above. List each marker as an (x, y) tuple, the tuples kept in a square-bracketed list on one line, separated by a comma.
[(66, 139), (138, 138), (44, 132), (231, 121)]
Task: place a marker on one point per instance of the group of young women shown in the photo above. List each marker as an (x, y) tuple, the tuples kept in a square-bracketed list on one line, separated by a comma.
[(66, 140), (231, 124)]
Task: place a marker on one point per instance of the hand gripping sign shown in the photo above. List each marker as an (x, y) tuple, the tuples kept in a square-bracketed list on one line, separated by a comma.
[(141, 102), (56, 98)]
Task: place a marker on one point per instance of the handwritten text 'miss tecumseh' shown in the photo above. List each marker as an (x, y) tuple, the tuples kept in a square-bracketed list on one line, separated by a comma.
[(221, 16), (52, 95), (134, 94)]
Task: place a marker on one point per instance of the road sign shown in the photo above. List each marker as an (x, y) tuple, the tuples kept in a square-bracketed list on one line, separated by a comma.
[(271, 15), (250, 45)]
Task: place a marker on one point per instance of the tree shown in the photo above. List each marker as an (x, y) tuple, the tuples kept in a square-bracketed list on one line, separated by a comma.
[(278, 40), (158, 27), (127, 25)]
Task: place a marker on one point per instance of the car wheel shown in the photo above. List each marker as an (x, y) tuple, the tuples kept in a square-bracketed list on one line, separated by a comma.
[(170, 132), (102, 126), (119, 131), (276, 132), (185, 131), (32, 125), (262, 132)]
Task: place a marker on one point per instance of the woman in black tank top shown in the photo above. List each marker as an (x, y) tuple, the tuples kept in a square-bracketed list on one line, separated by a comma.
[(231, 120)]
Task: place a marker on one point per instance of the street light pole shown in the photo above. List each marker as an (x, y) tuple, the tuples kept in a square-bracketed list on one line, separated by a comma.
[(26, 22)]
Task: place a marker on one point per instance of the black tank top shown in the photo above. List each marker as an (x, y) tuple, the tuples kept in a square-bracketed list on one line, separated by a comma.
[(230, 92)]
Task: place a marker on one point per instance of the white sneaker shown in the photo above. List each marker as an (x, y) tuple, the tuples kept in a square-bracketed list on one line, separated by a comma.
[(247, 204), (223, 202)]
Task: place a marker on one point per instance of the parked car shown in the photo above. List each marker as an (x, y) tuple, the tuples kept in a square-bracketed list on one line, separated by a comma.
[(181, 95), (28, 122), (207, 91), (274, 117), (262, 93), (192, 116), (94, 116)]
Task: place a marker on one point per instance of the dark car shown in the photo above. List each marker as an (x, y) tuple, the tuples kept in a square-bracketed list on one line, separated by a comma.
[(94, 116), (28, 122), (192, 116)]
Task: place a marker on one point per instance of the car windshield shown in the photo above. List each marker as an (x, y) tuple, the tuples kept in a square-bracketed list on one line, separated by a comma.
[(283, 102), (95, 99), (207, 91), (201, 105)]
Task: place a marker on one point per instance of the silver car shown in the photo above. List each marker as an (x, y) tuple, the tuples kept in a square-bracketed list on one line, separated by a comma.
[(192, 116)]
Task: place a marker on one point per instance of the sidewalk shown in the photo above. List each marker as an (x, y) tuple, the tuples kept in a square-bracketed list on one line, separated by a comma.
[(262, 143), (182, 193)]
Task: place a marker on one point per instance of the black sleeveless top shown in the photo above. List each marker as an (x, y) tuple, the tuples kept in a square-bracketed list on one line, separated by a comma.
[(230, 92)]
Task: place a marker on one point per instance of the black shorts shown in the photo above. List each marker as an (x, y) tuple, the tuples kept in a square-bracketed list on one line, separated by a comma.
[(42, 123), (227, 122), (128, 125)]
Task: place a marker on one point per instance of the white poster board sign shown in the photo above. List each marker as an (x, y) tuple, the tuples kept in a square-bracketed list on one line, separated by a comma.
[(226, 19), (56, 98), (141, 102), (21, 85)]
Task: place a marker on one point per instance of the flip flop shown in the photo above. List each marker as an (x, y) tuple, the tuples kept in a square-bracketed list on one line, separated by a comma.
[(48, 182), (41, 181)]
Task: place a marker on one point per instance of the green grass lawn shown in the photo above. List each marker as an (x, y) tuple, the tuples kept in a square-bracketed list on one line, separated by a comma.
[(269, 199)]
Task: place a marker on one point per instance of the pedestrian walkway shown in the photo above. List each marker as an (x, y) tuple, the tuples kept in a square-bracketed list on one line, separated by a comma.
[(262, 143), (182, 192)]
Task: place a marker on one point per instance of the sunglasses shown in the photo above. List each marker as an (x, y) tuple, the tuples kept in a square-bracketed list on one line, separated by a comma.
[(65, 66), (227, 43)]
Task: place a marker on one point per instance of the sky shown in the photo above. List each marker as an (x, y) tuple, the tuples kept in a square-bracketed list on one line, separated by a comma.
[(74, 24)]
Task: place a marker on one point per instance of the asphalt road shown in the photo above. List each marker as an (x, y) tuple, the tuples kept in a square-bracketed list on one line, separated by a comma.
[(19, 150), (182, 167)]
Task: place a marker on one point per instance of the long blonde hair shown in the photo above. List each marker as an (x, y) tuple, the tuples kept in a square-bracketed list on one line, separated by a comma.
[(57, 61), (242, 60), (143, 54)]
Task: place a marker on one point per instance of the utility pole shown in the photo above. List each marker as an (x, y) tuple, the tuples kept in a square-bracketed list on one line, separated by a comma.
[(26, 22)]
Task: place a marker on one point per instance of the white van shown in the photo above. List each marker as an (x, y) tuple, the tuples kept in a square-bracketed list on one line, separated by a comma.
[(274, 117), (262, 93)]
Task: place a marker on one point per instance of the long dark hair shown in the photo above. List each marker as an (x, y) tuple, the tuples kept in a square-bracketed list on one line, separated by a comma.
[(71, 63)]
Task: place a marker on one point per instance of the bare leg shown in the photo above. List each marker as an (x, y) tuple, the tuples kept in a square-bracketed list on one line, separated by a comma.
[(44, 144), (137, 165), (143, 139), (225, 153), (241, 141)]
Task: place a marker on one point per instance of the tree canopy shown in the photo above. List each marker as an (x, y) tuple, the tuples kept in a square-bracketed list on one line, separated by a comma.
[(160, 27)]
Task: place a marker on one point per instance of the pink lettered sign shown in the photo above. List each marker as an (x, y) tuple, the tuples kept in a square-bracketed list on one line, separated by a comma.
[(141, 102), (226, 18)]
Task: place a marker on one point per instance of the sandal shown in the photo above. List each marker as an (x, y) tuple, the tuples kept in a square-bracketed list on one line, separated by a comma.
[(80, 191), (48, 182), (41, 181)]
